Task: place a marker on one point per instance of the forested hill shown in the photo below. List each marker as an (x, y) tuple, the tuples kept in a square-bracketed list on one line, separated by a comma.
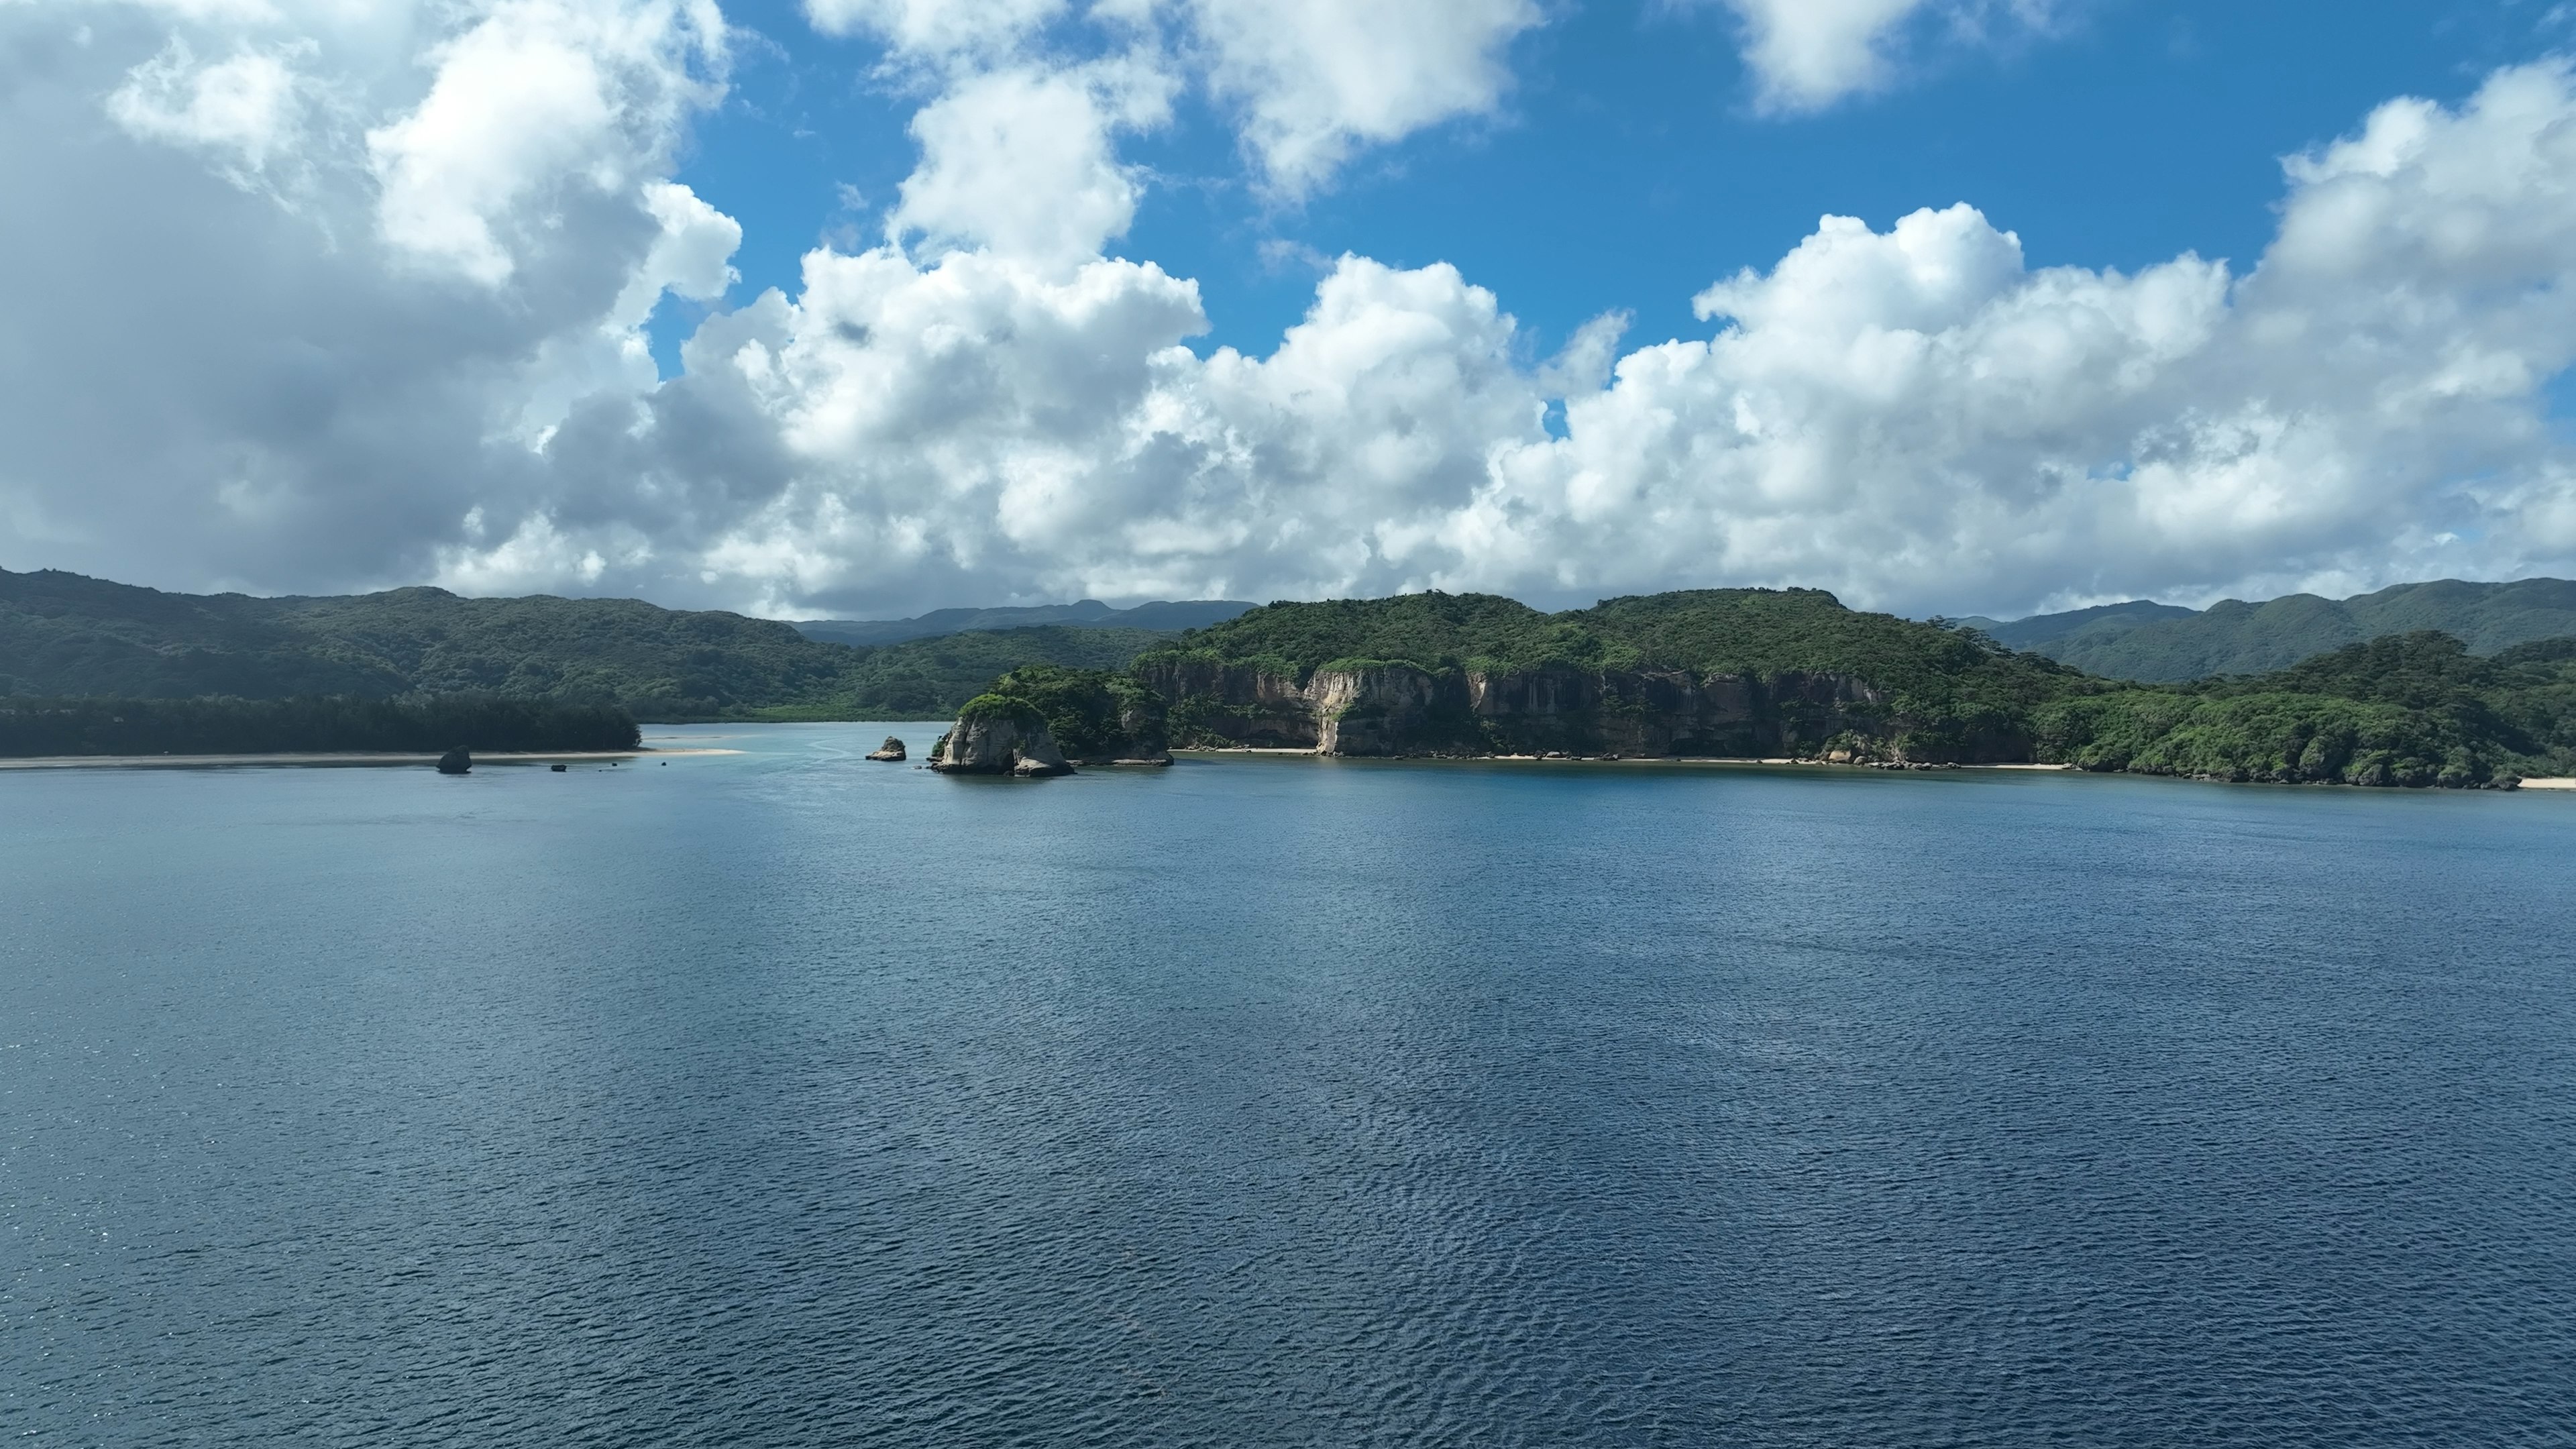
[(1467, 674), (2404, 709), (1704, 631), (64, 634), (2165, 643)]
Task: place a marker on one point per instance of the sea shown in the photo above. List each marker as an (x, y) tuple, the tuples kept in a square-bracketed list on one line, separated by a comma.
[(782, 1098)]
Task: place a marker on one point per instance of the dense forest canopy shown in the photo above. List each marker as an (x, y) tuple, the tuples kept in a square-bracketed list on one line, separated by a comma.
[(2416, 708), (66, 635), (2408, 709), (1942, 679), (1091, 714), (217, 726), (354, 673)]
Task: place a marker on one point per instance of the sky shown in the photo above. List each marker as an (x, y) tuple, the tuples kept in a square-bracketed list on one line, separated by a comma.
[(859, 308)]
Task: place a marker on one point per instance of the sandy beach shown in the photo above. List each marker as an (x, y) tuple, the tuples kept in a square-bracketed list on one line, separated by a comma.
[(201, 762), (2561, 782)]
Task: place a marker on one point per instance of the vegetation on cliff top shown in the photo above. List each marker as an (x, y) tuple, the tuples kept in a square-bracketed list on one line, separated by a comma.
[(2413, 709), (212, 726), (1091, 713), (1943, 682)]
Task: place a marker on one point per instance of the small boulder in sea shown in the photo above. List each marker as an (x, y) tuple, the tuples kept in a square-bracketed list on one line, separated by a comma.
[(456, 762), (558, 769), (891, 750)]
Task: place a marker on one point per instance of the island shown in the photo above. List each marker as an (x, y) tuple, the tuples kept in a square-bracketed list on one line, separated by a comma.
[(1777, 674), (1047, 720)]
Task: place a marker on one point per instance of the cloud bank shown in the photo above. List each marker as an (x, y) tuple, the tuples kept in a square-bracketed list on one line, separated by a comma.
[(343, 296)]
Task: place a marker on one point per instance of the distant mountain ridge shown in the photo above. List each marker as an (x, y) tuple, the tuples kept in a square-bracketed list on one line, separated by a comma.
[(1159, 617), (68, 635), (2164, 643)]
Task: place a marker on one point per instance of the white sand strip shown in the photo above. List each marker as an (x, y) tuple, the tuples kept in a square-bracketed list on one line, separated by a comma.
[(192, 762)]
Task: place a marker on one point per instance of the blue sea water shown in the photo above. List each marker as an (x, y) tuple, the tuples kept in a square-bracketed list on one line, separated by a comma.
[(779, 1098)]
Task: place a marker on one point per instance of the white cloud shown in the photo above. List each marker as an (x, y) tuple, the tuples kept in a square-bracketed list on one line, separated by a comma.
[(938, 29), (1319, 78), (229, 375), (1913, 416), (538, 94), (1807, 54), (1022, 161), (244, 107), (985, 408)]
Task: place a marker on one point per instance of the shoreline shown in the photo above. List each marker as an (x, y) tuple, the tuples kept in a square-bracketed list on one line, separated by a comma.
[(1719, 760), (349, 758), (1723, 761)]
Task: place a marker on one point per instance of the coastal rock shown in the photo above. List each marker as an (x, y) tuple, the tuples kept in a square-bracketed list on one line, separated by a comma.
[(891, 751), (1399, 709), (1383, 710), (1000, 742), (456, 762)]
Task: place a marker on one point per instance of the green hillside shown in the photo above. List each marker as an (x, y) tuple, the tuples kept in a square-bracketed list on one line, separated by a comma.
[(2159, 643), (2052, 634), (928, 679), (67, 635), (1935, 675), (2410, 708), (2407, 709), (222, 726)]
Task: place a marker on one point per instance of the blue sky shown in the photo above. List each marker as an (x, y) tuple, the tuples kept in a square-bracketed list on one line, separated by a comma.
[(865, 307), (1629, 166)]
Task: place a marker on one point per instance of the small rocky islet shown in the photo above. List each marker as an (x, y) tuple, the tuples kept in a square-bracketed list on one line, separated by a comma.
[(1048, 720)]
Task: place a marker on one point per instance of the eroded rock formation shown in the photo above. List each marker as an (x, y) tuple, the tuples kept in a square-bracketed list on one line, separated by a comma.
[(999, 742), (1400, 709)]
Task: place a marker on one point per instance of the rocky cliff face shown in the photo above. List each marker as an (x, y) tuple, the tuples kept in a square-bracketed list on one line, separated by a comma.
[(1399, 709), (999, 745)]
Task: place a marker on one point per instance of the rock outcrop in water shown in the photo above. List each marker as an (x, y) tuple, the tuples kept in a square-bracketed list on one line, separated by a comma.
[(456, 762), (1000, 736), (891, 751), (1043, 719)]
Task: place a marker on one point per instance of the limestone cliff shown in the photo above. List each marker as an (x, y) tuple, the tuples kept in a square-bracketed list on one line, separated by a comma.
[(1399, 709), (994, 741)]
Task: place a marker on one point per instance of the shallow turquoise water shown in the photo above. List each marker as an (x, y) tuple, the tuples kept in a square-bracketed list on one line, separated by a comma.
[(781, 1098)]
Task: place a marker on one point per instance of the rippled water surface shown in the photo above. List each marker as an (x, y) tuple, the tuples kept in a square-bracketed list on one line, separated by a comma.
[(785, 1099)]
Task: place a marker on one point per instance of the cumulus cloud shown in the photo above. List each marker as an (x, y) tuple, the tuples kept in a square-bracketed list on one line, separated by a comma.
[(428, 362), (1320, 78), (538, 94), (1808, 54), (1912, 415), (1023, 160), (228, 383)]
